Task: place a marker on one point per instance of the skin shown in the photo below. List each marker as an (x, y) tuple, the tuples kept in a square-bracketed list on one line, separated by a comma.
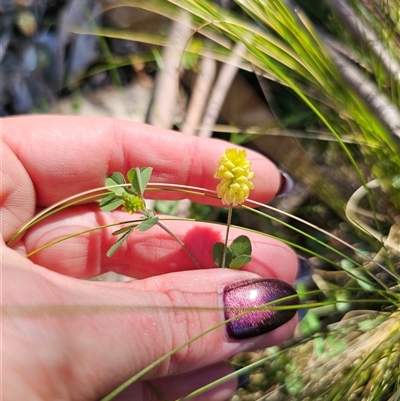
[(64, 338)]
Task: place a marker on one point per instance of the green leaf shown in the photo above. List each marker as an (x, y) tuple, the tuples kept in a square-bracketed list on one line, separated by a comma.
[(124, 229), (115, 247), (118, 178), (115, 179), (241, 246), (119, 191), (107, 199), (146, 174), (147, 224), (217, 252), (239, 261), (110, 203), (131, 174), (139, 178)]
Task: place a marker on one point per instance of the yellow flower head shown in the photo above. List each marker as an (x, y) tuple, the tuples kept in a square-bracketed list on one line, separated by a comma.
[(132, 203), (234, 172)]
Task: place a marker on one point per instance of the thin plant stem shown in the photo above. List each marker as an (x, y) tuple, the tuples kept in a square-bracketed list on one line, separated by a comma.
[(53, 209), (169, 354), (181, 243), (57, 241), (228, 224)]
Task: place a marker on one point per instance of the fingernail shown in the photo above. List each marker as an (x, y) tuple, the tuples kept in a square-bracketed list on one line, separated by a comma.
[(304, 272), (243, 378), (286, 186), (239, 297)]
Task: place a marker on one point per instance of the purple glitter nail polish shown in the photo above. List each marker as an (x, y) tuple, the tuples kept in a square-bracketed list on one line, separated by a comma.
[(238, 297)]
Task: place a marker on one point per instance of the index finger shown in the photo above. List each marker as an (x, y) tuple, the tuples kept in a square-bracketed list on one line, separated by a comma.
[(65, 155), (59, 156)]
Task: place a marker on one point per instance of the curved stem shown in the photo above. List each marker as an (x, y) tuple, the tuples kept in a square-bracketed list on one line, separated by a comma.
[(57, 207)]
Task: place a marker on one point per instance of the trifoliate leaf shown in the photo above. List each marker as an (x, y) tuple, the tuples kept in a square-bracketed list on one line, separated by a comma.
[(139, 178), (240, 246), (239, 261), (217, 252), (114, 248), (147, 224)]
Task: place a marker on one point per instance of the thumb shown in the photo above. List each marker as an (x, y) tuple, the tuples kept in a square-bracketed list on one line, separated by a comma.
[(97, 335)]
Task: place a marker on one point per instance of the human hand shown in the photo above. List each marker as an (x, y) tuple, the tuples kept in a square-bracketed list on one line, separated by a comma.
[(70, 339)]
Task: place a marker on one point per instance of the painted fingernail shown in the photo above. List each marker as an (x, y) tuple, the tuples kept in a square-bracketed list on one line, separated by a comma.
[(304, 275), (249, 294), (286, 186), (243, 378), (304, 272)]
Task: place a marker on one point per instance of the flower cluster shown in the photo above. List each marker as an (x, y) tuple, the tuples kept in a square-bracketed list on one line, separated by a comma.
[(235, 174), (132, 203)]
